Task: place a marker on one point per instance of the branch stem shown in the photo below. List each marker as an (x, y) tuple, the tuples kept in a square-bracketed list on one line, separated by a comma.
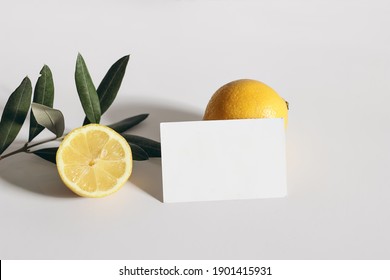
[(26, 148)]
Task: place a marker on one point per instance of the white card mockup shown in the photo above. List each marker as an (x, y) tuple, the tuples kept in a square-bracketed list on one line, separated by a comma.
[(223, 160)]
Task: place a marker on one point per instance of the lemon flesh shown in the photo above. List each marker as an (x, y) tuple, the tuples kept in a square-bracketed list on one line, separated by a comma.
[(246, 99), (94, 161)]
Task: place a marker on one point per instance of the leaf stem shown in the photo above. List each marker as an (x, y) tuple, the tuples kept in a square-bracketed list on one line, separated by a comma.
[(22, 149), (26, 148), (42, 142)]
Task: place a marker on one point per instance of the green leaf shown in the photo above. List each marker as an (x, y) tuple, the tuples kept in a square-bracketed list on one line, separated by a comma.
[(109, 87), (111, 83), (87, 92), (14, 114), (48, 154), (43, 94), (128, 123), (50, 118), (138, 153), (151, 147)]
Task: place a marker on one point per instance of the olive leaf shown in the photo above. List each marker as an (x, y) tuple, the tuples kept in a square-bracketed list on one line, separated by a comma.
[(111, 83), (87, 92), (109, 87), (151, 147), (50, 118), (128, 123), (14, 114), (138, 153), (43, 94), (48, 154)]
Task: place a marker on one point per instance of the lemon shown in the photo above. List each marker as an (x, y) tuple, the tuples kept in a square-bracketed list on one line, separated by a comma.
[(246, 99), (94, 161)]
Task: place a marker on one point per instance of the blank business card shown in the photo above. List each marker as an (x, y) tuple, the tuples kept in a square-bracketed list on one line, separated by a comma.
[(223, 160)]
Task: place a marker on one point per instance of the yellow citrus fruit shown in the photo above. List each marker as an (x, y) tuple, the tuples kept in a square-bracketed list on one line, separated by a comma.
[(94, 161), (246, 99)]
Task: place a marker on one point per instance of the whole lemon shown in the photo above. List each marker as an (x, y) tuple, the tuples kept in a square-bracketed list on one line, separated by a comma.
[(246, 99)]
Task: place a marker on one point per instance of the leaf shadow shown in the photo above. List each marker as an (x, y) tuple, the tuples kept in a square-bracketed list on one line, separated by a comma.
[(33, 174), (147, 175)]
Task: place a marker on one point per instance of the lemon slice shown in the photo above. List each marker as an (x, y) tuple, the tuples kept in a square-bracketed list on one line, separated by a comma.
[(94, 161)]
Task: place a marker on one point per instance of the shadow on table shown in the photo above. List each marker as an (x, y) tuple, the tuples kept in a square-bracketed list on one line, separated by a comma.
[(39, 176), (148, 177), (33, 174), (158, 113), (147, 174)]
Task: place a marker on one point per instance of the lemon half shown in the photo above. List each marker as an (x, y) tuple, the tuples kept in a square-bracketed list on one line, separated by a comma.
[(94, 161)]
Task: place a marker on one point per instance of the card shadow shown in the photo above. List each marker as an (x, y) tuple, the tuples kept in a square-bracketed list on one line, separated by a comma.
[(147, 175)]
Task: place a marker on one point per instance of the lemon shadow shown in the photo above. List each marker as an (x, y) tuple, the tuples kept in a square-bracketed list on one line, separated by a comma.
[(147, 175), (33, 174)]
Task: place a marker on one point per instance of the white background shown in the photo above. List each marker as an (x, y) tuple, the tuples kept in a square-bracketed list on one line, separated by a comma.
[(329, 59)]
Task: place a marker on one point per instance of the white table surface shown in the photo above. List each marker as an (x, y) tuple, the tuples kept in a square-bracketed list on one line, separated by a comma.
[(329, 59)]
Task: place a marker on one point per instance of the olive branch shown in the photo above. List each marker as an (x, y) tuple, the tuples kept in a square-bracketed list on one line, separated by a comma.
[(95, 102)]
